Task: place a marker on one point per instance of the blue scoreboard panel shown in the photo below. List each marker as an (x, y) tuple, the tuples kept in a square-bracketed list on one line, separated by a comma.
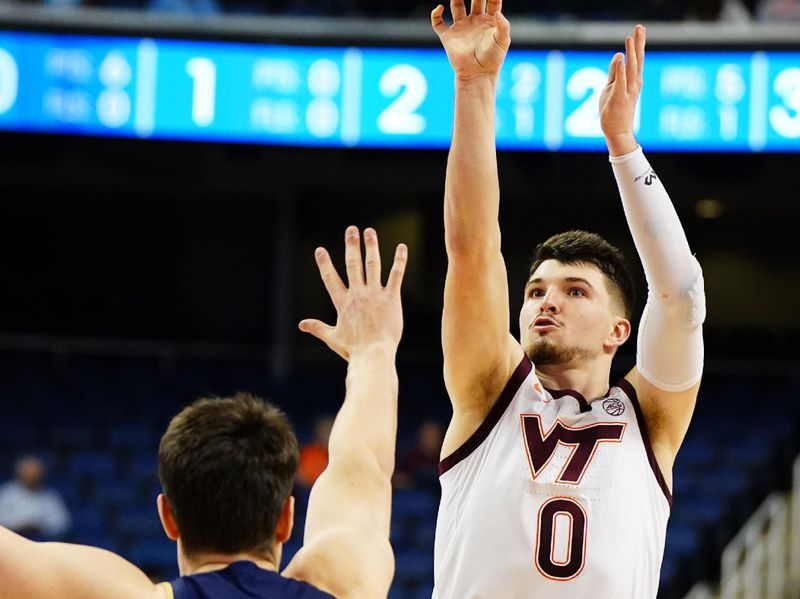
[(378, 97)]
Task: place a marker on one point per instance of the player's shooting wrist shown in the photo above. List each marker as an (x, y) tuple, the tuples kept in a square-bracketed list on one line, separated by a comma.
[(378, 350), (481, 85), (621, 143)]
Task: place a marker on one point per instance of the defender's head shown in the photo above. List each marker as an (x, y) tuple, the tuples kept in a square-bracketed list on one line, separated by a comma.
[(227, 468), (578, 300)]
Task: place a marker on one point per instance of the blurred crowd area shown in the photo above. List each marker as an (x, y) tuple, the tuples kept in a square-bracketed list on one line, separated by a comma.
[(731, 11)]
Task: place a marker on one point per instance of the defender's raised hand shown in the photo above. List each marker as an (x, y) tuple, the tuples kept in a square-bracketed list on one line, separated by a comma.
[(476, 44), (368, 315), (620, 96)]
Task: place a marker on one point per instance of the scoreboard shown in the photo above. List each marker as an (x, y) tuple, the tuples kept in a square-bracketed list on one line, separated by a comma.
[(378, 97)]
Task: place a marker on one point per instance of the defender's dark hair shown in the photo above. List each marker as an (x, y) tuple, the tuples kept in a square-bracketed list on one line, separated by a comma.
[(582, 247), (227, 467)]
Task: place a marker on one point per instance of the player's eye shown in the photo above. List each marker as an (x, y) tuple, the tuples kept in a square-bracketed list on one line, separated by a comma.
[(535, 292), (576, 292)]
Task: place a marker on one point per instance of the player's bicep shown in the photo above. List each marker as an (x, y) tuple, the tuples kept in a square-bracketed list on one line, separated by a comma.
[(354, 492), (350, 500), (30, 570), (479, 352)]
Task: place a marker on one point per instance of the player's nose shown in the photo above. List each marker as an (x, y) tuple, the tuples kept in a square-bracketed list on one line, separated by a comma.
[(549, 302)]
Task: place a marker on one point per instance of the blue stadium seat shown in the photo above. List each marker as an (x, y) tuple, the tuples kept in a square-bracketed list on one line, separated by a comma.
[(683, 540), (418, 505), (116, 493), (88, 522), (414, 567), (92, 465), (135, 437), (142, 523), (697, 451), (699, 511), (156, 556), (143, 466)]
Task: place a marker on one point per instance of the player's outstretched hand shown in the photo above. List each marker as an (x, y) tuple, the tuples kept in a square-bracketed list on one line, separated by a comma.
[(476, 44), (368, 315), (618, 99)]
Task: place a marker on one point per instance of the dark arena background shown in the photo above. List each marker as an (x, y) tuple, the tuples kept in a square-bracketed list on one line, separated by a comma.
[(147, 259)]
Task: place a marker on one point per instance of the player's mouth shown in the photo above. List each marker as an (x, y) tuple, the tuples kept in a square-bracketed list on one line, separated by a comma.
[(544, 324)]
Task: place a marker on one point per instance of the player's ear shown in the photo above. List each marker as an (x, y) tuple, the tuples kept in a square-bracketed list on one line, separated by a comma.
[(286, 522), (619, 333), (167, 518)]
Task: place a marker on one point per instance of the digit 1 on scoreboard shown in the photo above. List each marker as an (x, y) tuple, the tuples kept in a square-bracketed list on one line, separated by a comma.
[(204, 75)]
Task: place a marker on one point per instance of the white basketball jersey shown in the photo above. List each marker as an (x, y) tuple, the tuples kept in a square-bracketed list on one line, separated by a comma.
[(552, 498)]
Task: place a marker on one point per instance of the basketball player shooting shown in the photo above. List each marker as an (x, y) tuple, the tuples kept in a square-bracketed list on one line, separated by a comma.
[(554, 483), (227, 468)]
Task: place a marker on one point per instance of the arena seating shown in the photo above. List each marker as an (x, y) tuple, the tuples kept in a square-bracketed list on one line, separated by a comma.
[(97, 422)]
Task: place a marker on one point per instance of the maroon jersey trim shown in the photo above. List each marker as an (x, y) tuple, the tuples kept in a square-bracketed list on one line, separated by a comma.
[(584, 405), (651, 457), (498, 409)]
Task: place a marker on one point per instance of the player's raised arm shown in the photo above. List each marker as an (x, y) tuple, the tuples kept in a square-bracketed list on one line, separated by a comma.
[(669, 357), (346, 546), (479, 352)]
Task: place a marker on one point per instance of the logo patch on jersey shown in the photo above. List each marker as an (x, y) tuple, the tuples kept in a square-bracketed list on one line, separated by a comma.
[(614, 406)]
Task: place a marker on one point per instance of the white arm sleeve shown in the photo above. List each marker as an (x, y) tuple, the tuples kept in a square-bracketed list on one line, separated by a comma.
[(669, 351)]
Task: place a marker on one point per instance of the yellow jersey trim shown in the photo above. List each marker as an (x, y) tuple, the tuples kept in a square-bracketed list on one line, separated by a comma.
[(168, 588)]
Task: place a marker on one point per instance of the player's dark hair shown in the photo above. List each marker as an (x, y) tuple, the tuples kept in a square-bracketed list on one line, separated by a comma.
[(582, 247), (226, 467)]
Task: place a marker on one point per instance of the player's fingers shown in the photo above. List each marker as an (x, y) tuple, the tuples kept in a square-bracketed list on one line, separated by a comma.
[(437, 20), (315, 327), (330, 278), (372, 262), (458, 9), (612, 68), (477, 7), (631, 63), (621, 80), (352, 257), (493, 6), (398, 269), (640, 39)]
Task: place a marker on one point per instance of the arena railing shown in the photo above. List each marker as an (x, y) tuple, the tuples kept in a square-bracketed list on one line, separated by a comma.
[(763, 559)]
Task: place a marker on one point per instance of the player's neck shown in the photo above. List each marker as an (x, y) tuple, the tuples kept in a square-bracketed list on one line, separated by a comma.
[(590, 380), (210, 562)]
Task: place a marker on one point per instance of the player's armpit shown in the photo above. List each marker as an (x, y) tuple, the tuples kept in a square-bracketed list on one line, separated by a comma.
[(30, 570), (346, 562), (667, 415)]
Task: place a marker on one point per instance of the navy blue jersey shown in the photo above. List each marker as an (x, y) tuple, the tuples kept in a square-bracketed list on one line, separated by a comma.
[(241, 580)]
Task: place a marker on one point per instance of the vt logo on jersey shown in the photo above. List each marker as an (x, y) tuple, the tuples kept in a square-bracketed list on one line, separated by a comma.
[(565, 514), (584, 441)]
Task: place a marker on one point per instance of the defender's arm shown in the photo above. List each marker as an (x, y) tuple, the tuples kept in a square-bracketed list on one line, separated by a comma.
[(346, 546), (30, 570), (479, 352)]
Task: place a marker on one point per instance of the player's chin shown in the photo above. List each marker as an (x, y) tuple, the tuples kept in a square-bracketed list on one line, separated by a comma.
[(541, 350)]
